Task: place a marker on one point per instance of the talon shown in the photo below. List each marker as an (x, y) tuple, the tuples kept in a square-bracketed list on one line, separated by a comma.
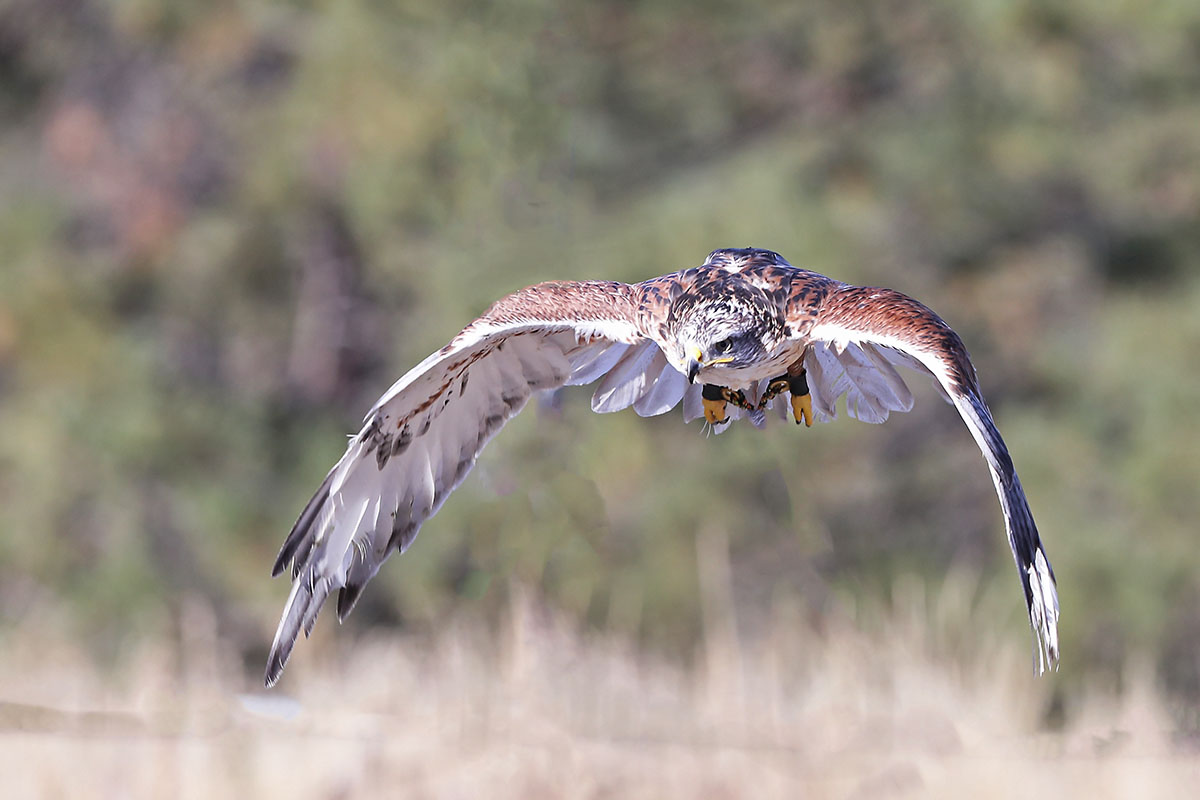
[(714, 411), (801, 399), (802, 409), (714, 401)]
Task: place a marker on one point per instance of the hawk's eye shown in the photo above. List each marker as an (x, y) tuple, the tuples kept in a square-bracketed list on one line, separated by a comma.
[(722, 347)]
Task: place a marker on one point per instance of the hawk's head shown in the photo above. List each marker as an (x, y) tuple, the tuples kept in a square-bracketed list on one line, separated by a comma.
[(734, 258), (724, 323)]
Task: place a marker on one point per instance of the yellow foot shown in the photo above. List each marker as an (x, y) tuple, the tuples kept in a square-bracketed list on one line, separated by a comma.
[(802, 409), (714, 411), (714, 403)]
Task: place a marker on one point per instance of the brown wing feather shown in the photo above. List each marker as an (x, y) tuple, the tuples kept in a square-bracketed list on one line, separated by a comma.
[(560, 301), (886, 318), (888, 313)]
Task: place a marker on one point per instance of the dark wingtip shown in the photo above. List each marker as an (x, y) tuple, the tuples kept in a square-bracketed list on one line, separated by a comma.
[(275, 667), (281, 650), (302, 531), (347, 598), (300, 614)]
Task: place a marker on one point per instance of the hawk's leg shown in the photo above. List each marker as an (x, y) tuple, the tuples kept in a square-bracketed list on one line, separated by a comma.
[(714, 398), (797, 380)]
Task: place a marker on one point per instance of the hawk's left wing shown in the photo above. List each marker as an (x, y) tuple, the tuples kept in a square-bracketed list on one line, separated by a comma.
[(423, 436), (856, 336)]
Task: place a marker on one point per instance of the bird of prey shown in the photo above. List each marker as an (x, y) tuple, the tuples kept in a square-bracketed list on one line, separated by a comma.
[(729, 339)]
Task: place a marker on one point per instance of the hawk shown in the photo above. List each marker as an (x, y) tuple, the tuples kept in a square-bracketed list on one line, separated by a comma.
[(744, 335)]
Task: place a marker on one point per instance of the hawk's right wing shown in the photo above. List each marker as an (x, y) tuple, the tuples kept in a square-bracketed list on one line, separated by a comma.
[(423, 436)]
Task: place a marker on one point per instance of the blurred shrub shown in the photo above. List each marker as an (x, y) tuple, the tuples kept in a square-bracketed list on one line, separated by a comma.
[(226, 228)]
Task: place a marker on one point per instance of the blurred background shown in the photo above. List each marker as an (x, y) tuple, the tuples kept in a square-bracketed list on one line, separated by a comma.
[(227, 227)]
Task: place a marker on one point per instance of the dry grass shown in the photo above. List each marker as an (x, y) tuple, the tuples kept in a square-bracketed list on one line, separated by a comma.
[(537, 711)]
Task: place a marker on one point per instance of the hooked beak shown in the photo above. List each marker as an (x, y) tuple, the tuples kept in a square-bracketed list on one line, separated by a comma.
[(693, 364), (696, 361)]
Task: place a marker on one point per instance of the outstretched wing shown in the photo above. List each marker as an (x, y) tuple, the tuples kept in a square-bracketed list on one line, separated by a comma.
[(423, 436), (857, 338)]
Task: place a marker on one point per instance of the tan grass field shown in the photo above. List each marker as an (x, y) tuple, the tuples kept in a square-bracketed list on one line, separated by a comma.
[(539, 711)]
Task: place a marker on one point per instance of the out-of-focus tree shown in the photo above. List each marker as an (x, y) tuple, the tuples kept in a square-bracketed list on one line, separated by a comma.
[(227, 227)]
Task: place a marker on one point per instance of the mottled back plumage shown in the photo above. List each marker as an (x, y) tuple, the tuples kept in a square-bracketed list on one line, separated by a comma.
[(741, 336)]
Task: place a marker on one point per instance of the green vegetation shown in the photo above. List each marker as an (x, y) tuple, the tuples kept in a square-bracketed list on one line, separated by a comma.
[(226, 228)]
